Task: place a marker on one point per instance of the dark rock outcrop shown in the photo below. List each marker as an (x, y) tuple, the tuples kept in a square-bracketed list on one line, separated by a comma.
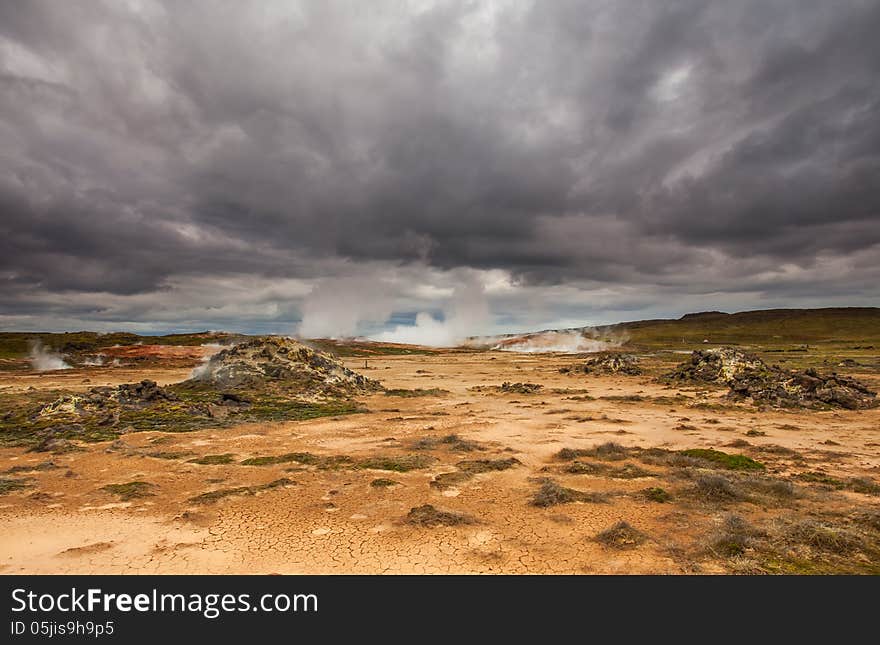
[(749, 377), (612, 363)]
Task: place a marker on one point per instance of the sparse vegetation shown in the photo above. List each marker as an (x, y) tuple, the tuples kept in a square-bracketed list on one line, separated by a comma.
[(770, 487), (476, 466), (430, 517), (27, 468), (10, 485), (214, 460), (444, 481), (551, 494), (450, 442), (130, 490), (716, 488), (723, 460), (408, 394), (864, 485), (397, 463), (621, 536), (657, 494), (733, 537), (169, 454), (816, 477), (382, 482), (627, 471), (216, 495), (609, 451), (825, 537)]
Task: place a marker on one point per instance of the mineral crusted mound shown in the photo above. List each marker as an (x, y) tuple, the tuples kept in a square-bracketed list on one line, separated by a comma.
[(810, 389), (718, 365), (283, 364), (611, 363), (130, 395), (749, 377)]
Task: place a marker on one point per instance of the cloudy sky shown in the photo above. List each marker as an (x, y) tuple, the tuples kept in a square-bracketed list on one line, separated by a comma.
[(414, 170)]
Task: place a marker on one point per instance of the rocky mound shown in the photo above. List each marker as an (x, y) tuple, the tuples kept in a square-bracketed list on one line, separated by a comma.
[(612, 363), (802, 389), (130, 395), (718, 365), (281, 363), (748, 376)]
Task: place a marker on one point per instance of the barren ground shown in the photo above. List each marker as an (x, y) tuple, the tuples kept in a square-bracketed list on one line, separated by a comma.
[(812, 508)]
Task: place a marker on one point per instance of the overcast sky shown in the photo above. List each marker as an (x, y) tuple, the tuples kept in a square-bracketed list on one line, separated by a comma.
[(339, 168)]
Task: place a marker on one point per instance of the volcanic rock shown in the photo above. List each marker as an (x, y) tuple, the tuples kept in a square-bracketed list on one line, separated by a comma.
[(282, 363), (130, 395), (520, 388), (611, 363), (803, 389), (748, 376), (718, 365)]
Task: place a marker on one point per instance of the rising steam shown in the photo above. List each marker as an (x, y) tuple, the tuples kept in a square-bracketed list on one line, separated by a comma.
[(44, 360), (336, 307), (564, 342), (467, 313)]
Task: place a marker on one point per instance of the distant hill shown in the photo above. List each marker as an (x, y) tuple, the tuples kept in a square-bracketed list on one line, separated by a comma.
[(784, 326)]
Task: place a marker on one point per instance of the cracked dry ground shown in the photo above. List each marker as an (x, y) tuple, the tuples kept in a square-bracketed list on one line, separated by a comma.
[(322, 514)]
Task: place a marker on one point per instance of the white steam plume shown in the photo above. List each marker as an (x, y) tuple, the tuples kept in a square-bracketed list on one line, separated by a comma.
[(564, 342), (44, 360), (466, 315), (336, 306)]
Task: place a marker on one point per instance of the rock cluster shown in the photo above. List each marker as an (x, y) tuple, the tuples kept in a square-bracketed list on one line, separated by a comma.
[(611, 363), (520, 388), (810, 389), (132, 395), (718, 365), (749, 377)]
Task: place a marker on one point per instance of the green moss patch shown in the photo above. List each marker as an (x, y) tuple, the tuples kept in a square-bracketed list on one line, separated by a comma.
[(400, 463), (130, 490), (723, 459), (214, 460), (11, 484), (657, 494), (214, 496)]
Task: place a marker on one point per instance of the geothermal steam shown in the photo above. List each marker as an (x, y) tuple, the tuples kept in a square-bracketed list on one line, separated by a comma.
[(337, 307), (564, 342), (467, 313), (44, 360)]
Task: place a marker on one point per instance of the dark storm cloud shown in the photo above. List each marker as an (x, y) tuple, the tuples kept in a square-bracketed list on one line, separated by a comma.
[(687, 145)]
